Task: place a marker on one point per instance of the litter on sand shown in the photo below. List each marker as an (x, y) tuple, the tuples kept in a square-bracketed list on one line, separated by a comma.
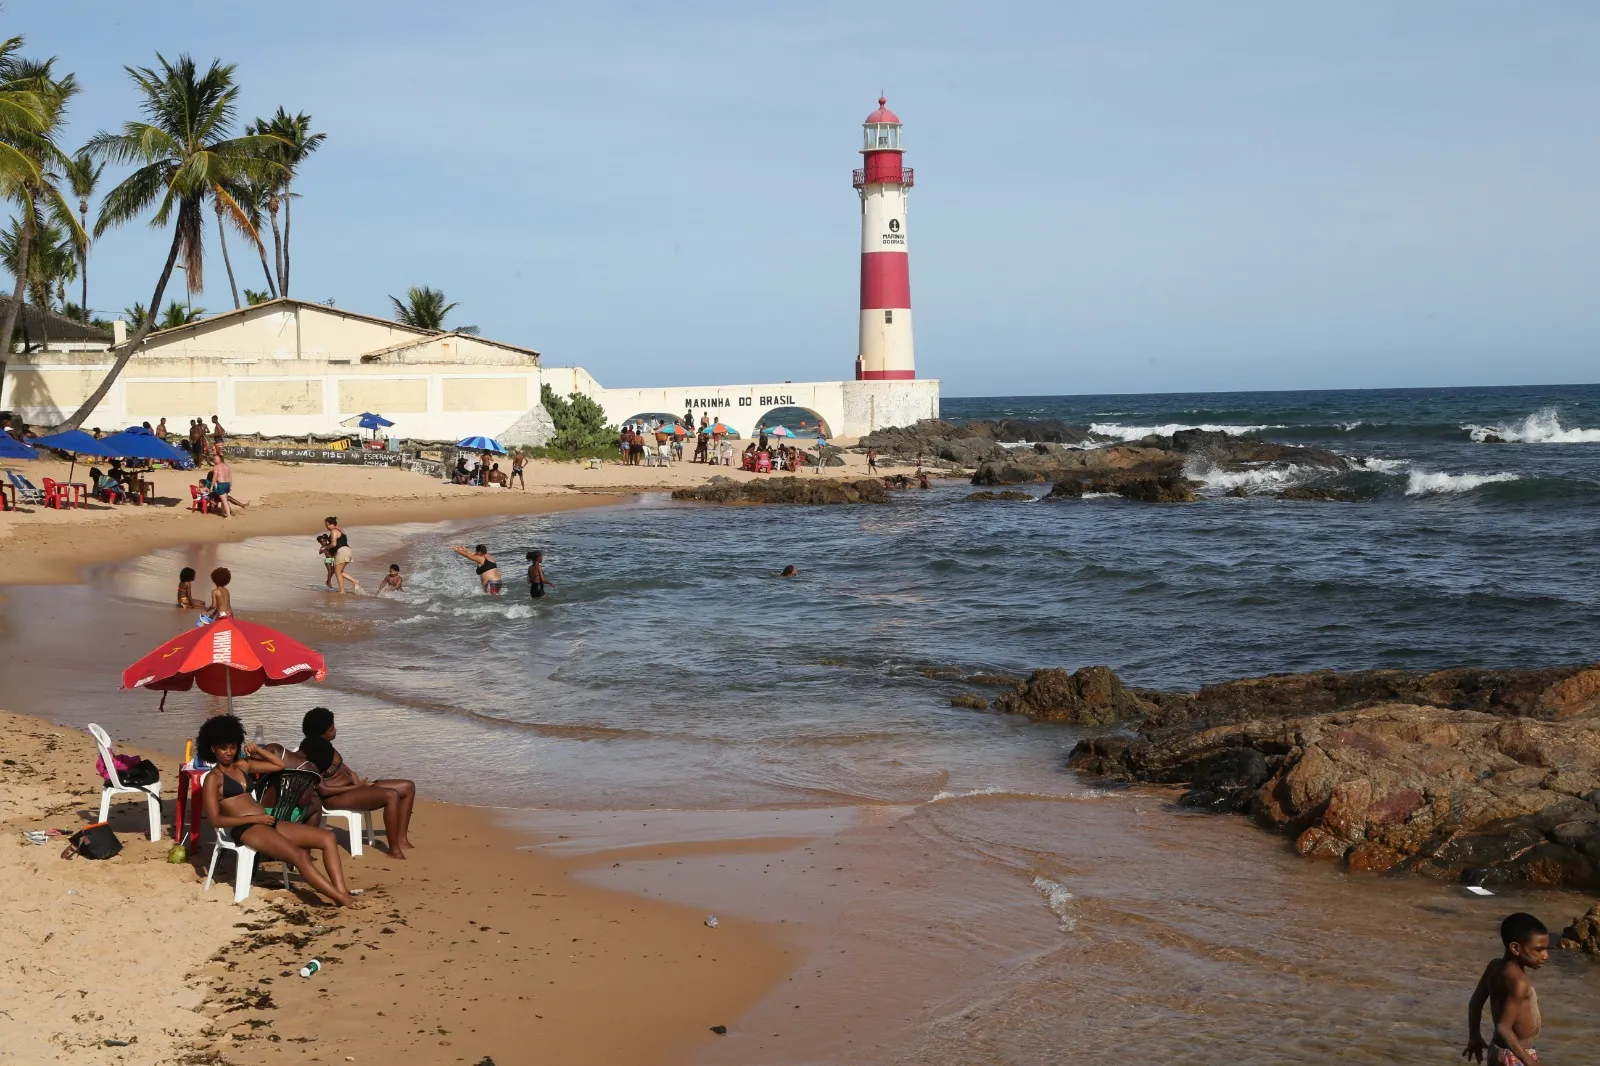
[(1479, 890)]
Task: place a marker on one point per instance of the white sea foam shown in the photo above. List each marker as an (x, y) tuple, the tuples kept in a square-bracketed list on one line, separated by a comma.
[(1121, 432), (1059, 900), (1348, 426), (1383, 466), (1423, 483), (1541, 427), (1251, 479)]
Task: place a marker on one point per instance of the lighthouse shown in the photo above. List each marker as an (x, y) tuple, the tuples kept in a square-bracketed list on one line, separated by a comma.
[(882, 181)]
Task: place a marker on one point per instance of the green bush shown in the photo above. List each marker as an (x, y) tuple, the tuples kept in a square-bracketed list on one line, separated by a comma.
[(581, 429)]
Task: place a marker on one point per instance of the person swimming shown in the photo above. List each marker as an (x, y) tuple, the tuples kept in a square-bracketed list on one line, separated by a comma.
[(790, 571), (488, 569)]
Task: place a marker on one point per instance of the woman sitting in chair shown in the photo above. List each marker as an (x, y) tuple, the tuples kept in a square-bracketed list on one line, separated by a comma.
[(228, 803), (344, 789)]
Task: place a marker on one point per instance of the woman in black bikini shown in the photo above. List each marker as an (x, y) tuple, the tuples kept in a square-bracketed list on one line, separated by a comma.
[(488, 569), (536, 578), (345, 789), (228, 804)]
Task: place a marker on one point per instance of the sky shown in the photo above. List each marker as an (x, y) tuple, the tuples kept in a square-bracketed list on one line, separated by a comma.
[(1110, 197)]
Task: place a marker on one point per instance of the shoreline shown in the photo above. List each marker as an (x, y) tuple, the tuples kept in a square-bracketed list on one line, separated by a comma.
[(477, 941)]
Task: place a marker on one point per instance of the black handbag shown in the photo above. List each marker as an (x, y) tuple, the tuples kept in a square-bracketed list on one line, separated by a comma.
[(93, 842), (141, 775)]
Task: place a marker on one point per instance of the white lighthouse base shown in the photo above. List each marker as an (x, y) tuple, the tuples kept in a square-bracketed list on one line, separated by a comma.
[(849, 408)]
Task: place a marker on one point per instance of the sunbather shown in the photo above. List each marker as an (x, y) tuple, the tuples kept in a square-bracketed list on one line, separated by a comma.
[(228, 803), (343, 788)]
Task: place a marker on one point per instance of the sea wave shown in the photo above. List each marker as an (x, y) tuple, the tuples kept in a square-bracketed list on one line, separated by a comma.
[(1424, 483), (1058, 899), (1541, 427), (1252, 479), (1119, 431)]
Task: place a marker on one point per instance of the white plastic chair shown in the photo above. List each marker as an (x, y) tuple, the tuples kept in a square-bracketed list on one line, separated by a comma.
[(244, 861), (358, 827), (151, 793)]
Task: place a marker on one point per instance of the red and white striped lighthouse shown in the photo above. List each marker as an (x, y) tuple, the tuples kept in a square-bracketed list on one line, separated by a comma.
[(885, 268)]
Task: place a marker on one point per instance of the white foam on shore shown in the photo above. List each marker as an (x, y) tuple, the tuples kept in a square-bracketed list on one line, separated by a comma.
[(1059, 900), (1121, 432), (1541, 427), (1252, 479), (1423, 483), (1383, 466)]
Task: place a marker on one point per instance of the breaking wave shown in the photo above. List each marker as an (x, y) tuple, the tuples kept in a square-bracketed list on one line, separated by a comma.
[(1255, 479), (1423, 483), (1541, 427), (1118, 431), (1058, 899)]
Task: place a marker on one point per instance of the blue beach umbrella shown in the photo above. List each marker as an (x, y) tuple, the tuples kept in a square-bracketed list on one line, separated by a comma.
[(372, 421), (78, 443), (139, 443), (11, 448), (481, 444)]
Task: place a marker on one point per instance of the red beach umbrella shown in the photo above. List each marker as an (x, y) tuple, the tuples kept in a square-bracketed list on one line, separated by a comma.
[(229, 658)]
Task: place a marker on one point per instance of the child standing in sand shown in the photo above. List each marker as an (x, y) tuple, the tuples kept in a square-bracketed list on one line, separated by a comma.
[(325, 549), (1509, 991), (186, 600)]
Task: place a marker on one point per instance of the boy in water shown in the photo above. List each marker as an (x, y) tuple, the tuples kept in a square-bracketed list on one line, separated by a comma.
[(391, 580), (221, 605), (186, 598), (1507, 988)]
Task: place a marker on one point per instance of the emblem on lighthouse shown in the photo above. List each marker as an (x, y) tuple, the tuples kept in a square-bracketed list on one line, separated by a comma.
[(894, 225)]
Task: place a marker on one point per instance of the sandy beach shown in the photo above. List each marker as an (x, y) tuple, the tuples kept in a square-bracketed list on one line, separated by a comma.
[(472, 948)]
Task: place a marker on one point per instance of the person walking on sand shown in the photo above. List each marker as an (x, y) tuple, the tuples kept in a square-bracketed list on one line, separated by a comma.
[(872, 460), (218, 435), (1505, 985), (536, 578), (488, 569), (222, 481), (342, 556), (518, 462)]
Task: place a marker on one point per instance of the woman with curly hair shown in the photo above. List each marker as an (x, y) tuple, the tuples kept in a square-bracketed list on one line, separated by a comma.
[(228, 804)]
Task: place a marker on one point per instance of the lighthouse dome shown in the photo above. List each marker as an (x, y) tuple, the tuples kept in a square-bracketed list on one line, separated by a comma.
[(882, 116)]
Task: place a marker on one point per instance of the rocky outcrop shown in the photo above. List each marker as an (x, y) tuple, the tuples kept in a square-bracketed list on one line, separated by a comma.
[(933, 439), (1584, 932), (1487, 776), (988, 497), (801, 490), (1132, 484), (1318, 492), (1092, 695)]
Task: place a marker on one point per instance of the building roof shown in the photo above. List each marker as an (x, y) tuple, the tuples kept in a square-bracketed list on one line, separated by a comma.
[(283, 303), (37, 325), (882, 115), (377, 355)]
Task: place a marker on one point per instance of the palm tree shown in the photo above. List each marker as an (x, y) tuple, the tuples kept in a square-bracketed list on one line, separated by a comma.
[(300, 142), (83, 175), (184, 155), (136, 315), (252, 297), (33, 103), (425, 308), (252, 196), (177, 314)]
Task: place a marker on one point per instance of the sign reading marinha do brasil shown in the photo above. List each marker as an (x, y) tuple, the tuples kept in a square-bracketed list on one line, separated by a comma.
[(696, 403)]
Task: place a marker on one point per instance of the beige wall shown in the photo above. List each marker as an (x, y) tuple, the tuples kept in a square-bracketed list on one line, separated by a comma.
[(485, 394), (300, 396), (57, 389), (274, 332), (165, 399), (387, 396)]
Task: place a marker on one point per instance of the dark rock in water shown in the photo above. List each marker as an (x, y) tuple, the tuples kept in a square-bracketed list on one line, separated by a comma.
[(985, 497), (1318, 492), (1228, 450), (1007, 473), (1491, 438), (970, 700), (1091, 696), (804, 490), (1238, 492), (932, 439), (1133, 485), (1584, 932), (1485, 775), (1032, 431)]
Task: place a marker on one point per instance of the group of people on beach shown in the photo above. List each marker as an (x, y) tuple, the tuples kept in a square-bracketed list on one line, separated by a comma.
[(235, 797), (484, 470)]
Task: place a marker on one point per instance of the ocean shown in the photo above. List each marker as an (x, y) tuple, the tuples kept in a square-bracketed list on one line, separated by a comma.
[(963, 897)]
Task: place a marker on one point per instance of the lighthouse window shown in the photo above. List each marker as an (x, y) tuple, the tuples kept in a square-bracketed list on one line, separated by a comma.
[(888, 318)]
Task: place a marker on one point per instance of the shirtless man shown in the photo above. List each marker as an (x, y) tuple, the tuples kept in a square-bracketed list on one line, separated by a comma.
[(1509, 992)]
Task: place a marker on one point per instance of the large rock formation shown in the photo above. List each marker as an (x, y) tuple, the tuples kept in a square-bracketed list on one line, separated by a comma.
[(1091, 696), (806, 490), (1487, 776)]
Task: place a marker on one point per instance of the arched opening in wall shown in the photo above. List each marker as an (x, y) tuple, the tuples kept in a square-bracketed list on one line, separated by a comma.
[(799, 421), (694, 427), (650, 420)]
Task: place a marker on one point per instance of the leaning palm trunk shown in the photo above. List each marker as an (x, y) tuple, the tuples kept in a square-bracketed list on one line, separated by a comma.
[(83, 210), (272, 290), (126, 351), (286, 239), (222, 239), (14, 308), (277, 245)]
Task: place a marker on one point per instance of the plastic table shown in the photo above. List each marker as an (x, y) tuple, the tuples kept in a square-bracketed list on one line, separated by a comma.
[(186, 830)]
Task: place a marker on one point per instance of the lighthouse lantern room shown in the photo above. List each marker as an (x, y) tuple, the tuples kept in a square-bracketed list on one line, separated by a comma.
[(885, 348)]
